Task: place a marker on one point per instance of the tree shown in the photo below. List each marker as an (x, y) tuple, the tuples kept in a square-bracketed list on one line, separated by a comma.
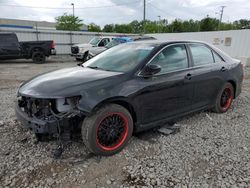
[(136, 26), (242, 24), (94, 28), (227, 26), (190, 26), (152, 27), (209, 24), (68, 22), (109, 28), (206, 24), (123, 28), (176, 26)]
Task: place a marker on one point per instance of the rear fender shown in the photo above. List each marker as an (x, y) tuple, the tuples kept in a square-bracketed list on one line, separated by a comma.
[(32, 50)]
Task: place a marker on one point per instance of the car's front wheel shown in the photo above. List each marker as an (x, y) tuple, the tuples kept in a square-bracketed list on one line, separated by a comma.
[(108, 130), (224, 98)]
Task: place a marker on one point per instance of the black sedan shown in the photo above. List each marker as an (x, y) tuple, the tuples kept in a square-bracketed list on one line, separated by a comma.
[(129, 88)]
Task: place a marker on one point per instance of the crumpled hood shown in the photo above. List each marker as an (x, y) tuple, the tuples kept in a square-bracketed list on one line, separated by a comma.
[(63, 83)]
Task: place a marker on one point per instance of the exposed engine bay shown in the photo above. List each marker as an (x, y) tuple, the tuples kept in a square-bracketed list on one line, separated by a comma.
[(44, 115), (58, 118)]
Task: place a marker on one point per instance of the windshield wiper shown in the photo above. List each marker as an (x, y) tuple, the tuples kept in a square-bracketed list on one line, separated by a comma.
[(95, 67)]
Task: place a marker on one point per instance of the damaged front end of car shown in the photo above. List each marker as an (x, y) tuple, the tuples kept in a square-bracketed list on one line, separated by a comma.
[(52, 117)]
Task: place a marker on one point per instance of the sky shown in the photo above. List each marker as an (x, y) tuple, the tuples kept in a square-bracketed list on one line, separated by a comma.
[(103, 12)]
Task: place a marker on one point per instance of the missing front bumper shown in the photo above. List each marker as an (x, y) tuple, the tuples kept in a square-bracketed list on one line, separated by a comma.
[(37, 125)]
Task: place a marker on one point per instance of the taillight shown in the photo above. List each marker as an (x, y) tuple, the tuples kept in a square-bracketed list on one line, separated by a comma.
[(53, 44), (241, 65)]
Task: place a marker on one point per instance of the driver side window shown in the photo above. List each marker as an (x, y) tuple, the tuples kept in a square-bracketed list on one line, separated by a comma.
[(104, 42), (172, 58)]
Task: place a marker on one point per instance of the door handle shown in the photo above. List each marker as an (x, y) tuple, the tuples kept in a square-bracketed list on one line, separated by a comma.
[(223, 69), (188, 76)]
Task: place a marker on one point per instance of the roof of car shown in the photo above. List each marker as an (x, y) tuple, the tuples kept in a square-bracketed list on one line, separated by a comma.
[(138, 38), (101, 37), (163, 42), (123, 38)]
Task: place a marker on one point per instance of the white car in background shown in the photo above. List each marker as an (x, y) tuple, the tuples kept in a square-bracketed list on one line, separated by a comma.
[(80, 51)]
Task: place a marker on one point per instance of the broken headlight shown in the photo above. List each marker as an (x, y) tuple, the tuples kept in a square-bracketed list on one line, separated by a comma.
[(66, 104)]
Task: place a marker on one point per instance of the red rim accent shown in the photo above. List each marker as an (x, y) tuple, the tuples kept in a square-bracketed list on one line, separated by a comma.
[(229, 98), (123, 136)]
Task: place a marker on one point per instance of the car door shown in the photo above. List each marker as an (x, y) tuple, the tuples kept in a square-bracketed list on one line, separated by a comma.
[(9, 46), (169, 92), (208, 75)]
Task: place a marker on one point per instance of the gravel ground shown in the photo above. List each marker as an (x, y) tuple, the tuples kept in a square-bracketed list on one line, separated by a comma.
[(210, 150)]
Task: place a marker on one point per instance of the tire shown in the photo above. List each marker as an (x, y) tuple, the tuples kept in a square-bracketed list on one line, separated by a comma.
[(224, 98), (38, 57), (85, 57), (106, 120)]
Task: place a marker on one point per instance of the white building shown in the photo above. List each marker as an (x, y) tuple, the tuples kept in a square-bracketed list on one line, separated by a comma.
[(28, 24)]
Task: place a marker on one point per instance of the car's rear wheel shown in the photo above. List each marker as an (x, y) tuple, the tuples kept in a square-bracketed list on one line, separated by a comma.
[(38, 57), (108, 130), (224, 98)]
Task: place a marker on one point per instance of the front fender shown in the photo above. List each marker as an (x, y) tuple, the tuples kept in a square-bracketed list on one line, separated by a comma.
[(119, 90), (92, 98), (87, 106)]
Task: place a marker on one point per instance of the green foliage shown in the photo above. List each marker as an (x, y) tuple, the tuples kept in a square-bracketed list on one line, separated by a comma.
[(176, 26), (242, 24), (227, 26), (109, 28), (123, 28), (209, 24), (68, 22), (94, 28), (191, 26), (136, 26)]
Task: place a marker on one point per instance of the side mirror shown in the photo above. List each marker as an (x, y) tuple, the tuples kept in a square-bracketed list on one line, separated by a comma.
[(150, 70)]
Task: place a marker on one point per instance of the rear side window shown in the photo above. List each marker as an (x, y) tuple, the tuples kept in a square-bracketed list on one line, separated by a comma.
[(172, 58), (7, 40), (217, 58), (201, 54)]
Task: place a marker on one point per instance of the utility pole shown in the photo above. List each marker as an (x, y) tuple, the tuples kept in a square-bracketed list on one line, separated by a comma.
[(221, 15), (159, 24), (144, 16), (73, 5)]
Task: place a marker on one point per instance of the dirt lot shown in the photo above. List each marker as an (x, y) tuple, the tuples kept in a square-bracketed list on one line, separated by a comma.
[(210, 150)]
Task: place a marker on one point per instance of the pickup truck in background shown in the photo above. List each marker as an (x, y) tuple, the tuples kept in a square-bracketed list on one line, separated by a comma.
[(83, 52), (116, 41), (80, 51), (11, 48)]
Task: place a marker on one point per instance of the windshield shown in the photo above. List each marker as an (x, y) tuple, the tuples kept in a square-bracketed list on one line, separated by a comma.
[(94, 41), (112, 44), (121, 58)]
